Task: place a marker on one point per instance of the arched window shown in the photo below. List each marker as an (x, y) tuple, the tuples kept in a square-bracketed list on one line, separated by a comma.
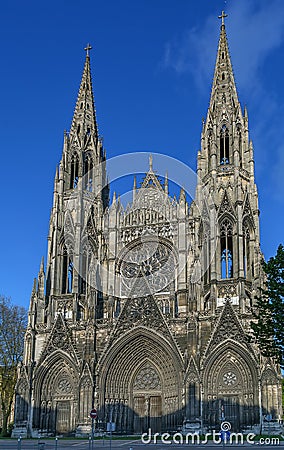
[(70, 277), (206, 257), (246, 252), (209, 147), (83, 274), (166, 307), (74, 176), (226, 244), (224, 145), (240, 146), (88, 172), (67, 272)]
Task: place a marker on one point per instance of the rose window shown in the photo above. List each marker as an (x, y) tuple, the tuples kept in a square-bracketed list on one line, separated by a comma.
[(147, 379), (229, 378), (64, 386), (150, 266)]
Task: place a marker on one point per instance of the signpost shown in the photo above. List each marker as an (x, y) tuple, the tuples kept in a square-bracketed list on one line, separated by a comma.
[(93, 415), (268, 418), (110, 428)]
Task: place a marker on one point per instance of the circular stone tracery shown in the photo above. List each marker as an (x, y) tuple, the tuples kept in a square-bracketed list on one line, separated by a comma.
[(150, 260), (229, 378), (147, 379), (64, 386)]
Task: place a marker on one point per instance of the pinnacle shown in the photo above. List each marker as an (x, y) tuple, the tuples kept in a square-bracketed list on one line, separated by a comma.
[(84, 121), (224, 90)]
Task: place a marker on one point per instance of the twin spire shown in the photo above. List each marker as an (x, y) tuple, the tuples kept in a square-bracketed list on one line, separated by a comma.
[(84, 121), (224, 88)]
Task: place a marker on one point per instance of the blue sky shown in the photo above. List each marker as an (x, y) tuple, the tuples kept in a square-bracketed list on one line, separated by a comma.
[(152, 66)]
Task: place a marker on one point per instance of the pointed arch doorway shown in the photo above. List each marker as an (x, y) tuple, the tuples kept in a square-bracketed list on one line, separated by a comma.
[(140, 381), (231, 388), (147, 398)]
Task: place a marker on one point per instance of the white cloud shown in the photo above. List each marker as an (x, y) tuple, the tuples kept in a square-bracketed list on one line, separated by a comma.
[(255, 30)]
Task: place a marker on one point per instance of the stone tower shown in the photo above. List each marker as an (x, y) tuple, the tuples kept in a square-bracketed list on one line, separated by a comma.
[(144, 312)]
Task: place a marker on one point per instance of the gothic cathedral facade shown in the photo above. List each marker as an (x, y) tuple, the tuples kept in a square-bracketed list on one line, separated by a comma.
[(144, 312)]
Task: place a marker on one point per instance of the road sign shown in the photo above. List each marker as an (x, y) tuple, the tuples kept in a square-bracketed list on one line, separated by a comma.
[(110, 426), (93, 414)]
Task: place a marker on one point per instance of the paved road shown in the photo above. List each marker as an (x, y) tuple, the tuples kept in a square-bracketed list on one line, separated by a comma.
[(26, 444)]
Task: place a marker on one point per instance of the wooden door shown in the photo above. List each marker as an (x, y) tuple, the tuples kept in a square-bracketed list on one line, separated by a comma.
[(63, 416)]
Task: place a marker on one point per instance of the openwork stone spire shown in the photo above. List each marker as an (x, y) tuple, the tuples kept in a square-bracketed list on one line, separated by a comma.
[(223, 88), (84, 119)]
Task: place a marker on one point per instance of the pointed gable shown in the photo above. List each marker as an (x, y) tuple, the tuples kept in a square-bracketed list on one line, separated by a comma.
[(247, 211), (192, 372), (226, 206), (227, 327), (151, 180), (59, 339), (141, 311)]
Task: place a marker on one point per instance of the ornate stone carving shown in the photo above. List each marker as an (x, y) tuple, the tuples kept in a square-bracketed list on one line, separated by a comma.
[(227, 327), (64, 386), (227, 290), (147, 379), (229, 378), (226, 205), (151, 260), (141, 311)]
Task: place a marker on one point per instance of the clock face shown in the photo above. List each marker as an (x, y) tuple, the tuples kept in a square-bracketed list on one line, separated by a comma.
[(147, 268)]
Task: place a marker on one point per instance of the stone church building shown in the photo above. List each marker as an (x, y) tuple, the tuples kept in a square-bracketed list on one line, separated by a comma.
[(144, 311)]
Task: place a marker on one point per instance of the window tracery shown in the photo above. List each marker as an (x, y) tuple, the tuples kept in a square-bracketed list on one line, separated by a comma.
[(67, 272), (224, 145), (74, 175), (226, 244)]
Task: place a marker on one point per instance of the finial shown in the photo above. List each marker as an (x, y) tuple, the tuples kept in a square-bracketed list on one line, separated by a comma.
[(87, 49), (223, 16), (166, 183), (134, 187), (151, 163)]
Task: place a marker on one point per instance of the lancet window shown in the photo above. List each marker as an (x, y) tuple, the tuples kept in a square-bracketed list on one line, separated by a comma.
[(224, 145), (67, 272), (88, 173), (74, 175), (226, 245)]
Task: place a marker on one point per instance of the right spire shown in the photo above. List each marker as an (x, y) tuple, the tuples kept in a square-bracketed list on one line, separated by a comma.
[(223, 88), (225, 140), (84, 121)]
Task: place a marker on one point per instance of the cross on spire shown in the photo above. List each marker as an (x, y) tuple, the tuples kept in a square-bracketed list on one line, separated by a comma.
[(88, 48), (223, 16)]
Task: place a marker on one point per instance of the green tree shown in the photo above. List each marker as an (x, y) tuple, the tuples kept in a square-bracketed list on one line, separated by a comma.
[(13, 320), (269, 325)]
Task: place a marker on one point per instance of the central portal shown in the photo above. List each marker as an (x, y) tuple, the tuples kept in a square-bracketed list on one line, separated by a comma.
[(147, 413), (231, 408)]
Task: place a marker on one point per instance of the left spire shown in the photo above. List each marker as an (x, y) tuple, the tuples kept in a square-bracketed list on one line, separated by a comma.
[(84, 122)]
